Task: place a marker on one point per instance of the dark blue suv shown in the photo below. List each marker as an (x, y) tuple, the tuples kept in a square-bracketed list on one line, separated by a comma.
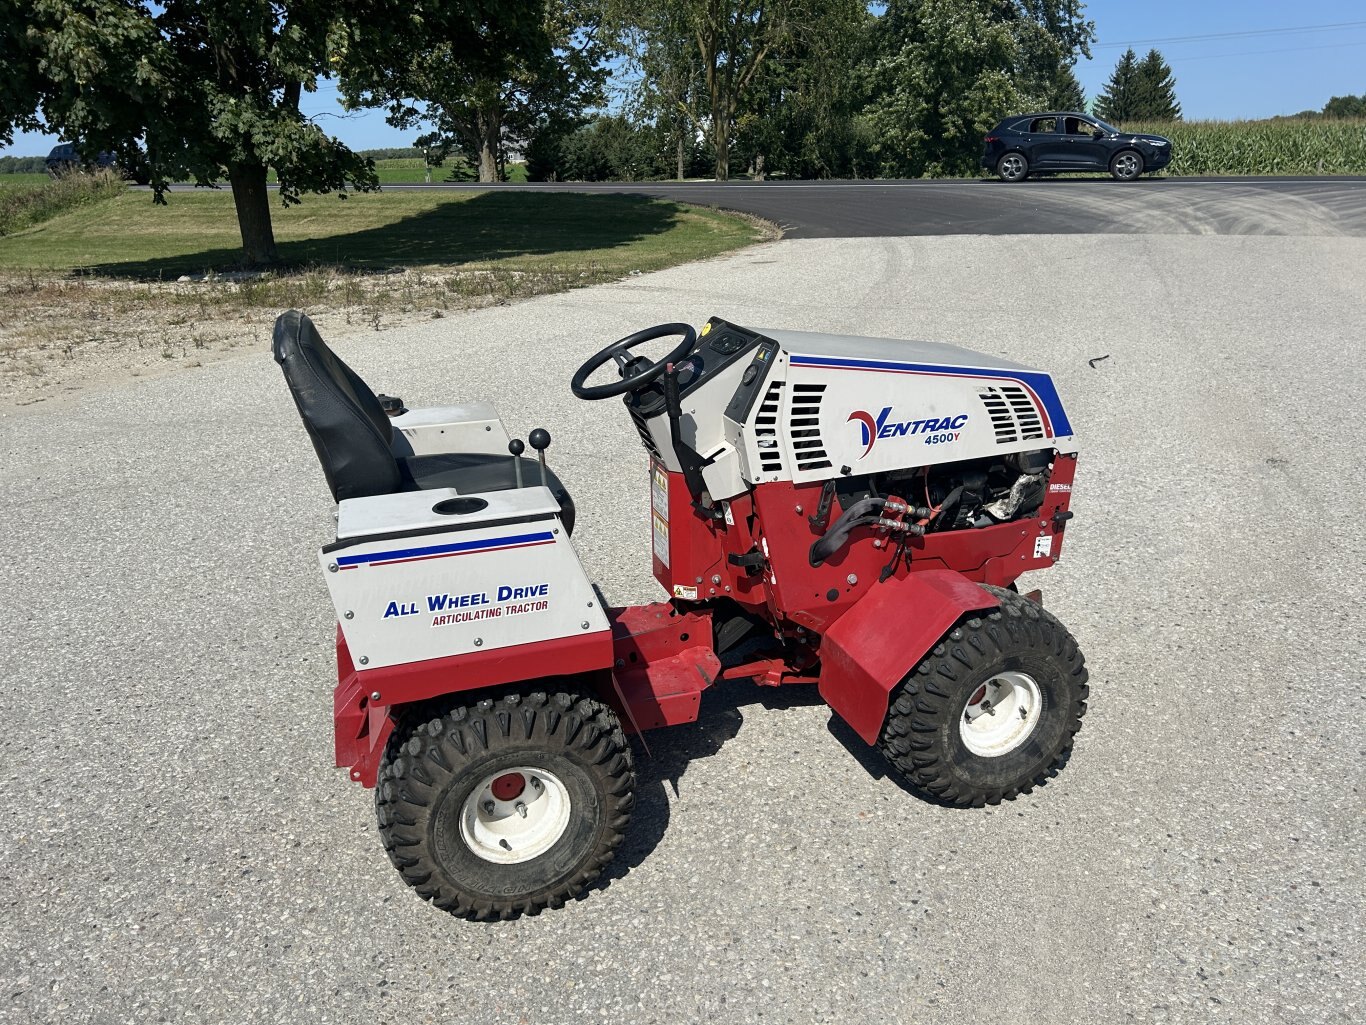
[(1028, 144)]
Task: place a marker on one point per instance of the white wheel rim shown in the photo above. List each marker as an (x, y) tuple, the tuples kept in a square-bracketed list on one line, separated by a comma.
[(1001, 714), (507, 825)]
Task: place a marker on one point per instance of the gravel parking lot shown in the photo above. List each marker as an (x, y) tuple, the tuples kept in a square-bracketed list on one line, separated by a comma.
[(178, 847)]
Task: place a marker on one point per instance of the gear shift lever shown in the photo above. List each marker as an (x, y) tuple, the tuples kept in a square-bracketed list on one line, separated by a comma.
[(516, 447), (540, 441)]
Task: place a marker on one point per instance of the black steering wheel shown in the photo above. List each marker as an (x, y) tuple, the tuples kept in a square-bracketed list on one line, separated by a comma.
[(637, 371)]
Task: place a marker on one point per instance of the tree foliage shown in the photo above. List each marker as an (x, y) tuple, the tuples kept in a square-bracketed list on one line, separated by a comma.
[(544, 75), (1118, 100), (702, 60), (947, 70), (1156, 90), (1345, 106), (20, 83), (1065, 92), (1139, 90), (202, 89)]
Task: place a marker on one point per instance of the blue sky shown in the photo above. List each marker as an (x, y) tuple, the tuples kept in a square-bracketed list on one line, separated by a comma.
[(1256, 58)]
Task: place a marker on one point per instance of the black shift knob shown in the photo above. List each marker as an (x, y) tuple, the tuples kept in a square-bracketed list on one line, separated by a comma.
[(539, 439), (516, 447)]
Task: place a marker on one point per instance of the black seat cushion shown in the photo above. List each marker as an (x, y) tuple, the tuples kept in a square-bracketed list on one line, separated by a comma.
[(475, 473), (350, 430)]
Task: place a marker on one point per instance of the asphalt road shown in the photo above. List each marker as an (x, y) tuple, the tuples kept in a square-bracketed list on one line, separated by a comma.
[(1061, 206), (177, 846)]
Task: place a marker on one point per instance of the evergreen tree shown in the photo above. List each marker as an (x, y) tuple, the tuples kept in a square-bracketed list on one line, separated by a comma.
[(1155, 91), (1066, 92), (1118, 103)]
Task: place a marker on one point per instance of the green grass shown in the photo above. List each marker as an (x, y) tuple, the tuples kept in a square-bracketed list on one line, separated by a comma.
[(25, 205), (197, 232), (23, 181)]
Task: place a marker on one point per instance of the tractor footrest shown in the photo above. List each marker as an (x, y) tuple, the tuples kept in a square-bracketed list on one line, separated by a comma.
[(669, 692), (664, 661)]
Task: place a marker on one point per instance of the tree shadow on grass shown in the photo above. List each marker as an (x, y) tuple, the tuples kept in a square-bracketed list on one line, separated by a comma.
[(487, 226)]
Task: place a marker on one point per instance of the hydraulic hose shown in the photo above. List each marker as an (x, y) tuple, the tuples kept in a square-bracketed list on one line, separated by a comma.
[(866, 512)]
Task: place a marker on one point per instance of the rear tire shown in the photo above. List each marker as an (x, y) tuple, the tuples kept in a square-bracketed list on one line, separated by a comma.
[(1126, 165), (942, 732), (508, 806), (1013, 167)]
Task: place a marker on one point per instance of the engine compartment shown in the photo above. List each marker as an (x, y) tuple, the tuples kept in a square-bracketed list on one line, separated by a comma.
[(961, 495)]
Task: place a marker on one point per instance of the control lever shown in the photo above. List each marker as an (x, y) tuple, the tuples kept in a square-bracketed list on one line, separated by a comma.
[(516, 447), (539, 439), (688, 458)]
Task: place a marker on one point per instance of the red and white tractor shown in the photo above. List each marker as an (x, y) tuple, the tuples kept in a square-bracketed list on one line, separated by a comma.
[(846, 512)]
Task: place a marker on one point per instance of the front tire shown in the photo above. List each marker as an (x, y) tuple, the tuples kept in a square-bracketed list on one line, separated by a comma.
[(993, 710), (1013, 167), (508, 806), (1126, 165)]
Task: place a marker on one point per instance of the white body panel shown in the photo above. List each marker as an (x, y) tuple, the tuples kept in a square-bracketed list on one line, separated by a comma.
[(470, 427), (506, 575), (832, 405)]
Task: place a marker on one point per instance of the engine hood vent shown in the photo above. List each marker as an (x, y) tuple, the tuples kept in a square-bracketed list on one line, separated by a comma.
[(1014, 417), (766, 429), (804, 426)]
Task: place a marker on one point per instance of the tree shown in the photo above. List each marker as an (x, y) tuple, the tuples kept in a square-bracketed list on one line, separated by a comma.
[(728, 41), (944, 71), (202, 88), (1066, 92), (796, 118), (669, 88), (479, 104), (1345, 106), (1119, 100), (1155, 90), (20, 88)]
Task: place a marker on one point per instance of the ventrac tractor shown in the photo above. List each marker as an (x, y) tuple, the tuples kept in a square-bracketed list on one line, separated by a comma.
[(850, 513)]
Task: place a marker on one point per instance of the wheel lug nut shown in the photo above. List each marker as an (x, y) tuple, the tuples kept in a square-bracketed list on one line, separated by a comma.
[(488, 807), (535, 783), (521, 809)]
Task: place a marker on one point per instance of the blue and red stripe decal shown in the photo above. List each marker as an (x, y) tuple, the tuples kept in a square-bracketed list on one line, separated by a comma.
[(488, 544), (1039, 385)]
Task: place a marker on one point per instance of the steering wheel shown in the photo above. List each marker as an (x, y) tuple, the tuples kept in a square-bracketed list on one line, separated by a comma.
[(636, 371)]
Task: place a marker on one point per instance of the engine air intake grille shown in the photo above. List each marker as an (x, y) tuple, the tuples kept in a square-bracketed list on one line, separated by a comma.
[(1012, 412), (804, 427), (766, 429)]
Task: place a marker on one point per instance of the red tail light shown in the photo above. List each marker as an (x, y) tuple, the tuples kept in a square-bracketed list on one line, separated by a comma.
[(989, 138)]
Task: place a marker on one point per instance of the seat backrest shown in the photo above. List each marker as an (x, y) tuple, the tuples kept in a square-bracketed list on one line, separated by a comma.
[(350, 430)]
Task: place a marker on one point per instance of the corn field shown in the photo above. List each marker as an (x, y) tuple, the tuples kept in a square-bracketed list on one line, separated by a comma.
[(1306, 147)]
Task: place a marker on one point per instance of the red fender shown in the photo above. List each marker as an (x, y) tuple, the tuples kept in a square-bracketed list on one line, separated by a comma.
[(871, 648)]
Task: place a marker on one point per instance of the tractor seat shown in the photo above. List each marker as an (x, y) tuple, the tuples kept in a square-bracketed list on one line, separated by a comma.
[(353, 437)]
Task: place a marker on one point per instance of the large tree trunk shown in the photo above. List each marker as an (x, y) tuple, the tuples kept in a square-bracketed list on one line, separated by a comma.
[(681, 167), (488, 145), (252, 200), (720, 139)]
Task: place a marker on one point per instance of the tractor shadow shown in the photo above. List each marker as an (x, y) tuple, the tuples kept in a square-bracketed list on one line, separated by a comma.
[(673, 750)]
